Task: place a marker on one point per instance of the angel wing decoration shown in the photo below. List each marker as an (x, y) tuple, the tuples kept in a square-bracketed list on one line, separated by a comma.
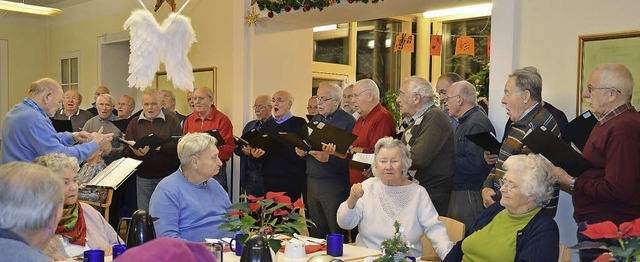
[(152, 43)]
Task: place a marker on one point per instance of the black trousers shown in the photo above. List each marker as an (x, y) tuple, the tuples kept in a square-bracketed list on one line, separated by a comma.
[(325, 196)]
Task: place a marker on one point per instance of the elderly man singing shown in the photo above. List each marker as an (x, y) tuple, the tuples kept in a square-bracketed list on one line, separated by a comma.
[(523, 100), (71, 110), (429, 138)]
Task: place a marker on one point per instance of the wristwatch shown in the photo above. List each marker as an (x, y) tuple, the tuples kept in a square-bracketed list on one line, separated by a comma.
[(572, 184)]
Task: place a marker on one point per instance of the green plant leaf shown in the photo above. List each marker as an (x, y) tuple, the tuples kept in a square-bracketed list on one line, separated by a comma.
[(242, 206), (275, 244)]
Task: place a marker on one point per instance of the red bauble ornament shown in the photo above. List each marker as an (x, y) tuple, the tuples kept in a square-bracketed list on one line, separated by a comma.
[(307, 7), (350, 1), (287, 8), (270, 14)]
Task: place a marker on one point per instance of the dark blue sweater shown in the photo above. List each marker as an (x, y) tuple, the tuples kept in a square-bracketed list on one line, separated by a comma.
[(539, 240)]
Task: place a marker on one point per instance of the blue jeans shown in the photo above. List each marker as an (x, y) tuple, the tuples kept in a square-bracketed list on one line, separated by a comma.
[(145, 187)]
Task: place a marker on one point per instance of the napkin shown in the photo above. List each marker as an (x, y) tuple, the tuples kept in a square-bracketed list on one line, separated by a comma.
[(309, 248)]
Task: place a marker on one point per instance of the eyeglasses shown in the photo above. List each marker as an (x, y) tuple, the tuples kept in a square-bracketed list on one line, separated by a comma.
[(508, 185), (324, 99), (260, 107), (200, 98), (72, 98), (591, 88), (445, 100), (356, 95), (312, 107), (279, 100), (104, 105), (124, 104)]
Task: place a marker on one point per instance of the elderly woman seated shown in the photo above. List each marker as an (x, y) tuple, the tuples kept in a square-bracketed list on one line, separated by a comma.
[(515, 229), (81, 226), (189, 203), (378, 202)]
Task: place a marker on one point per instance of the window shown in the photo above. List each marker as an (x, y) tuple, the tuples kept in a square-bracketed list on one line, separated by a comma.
[(474, 69), (331, 45), (69, 73)]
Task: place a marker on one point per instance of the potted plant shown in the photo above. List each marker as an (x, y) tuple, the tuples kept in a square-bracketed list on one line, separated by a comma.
[(269, 216), (627, 236)]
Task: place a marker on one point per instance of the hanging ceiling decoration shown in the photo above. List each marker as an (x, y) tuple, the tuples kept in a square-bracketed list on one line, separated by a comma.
[(277, 6)]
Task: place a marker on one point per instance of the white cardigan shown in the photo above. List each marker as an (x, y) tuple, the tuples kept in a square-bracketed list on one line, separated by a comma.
[(381, 205)]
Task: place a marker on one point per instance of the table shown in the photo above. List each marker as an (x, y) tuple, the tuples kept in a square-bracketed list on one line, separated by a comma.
[(350, 253)]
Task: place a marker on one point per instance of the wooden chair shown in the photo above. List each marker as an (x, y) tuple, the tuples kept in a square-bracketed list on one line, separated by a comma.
[(565, 254), (455, 230), (105, 205)]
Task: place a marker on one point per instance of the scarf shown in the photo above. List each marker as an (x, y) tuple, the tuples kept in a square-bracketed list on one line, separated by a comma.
[(72, 224)]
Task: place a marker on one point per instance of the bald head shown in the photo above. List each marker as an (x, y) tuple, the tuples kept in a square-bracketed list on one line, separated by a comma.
[(445, 81), (460, 98), (281, 101), (262, 107), (47, 94), (366, 96), (99, 91)]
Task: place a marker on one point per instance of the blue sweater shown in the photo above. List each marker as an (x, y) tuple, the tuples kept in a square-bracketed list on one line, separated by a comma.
[(188, 211), (471, 168), (27, 133), (537, 241)]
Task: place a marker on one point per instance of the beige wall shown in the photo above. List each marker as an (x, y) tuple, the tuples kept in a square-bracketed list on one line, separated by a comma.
[(27, 56)]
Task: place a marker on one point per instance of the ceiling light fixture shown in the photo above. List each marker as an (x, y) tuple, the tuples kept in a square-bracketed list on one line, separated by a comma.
[(485, 9), (29, 9), (325, 28)]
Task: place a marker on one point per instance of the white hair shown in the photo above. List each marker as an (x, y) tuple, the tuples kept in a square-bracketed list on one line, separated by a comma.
[(193, 144), (535, 177), (419, 85), (390, 143), (58, 162), (30, 197)]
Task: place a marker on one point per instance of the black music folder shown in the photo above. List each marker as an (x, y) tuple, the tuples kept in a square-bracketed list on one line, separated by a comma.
[(323, 133), (256, 140), (557, 151), (299, 141), (215, 133), (487, 141), (309, 117), (122, 124), (579, 129), (150, 140), (62, 125)]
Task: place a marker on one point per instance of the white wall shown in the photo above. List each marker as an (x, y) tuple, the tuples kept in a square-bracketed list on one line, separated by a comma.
[(546, 36)]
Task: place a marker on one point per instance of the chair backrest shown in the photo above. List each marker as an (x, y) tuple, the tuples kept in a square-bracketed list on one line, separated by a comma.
[(455, 230), (565, 254)]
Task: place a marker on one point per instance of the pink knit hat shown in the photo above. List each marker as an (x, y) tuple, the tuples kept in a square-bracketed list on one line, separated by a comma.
[(167, 249)]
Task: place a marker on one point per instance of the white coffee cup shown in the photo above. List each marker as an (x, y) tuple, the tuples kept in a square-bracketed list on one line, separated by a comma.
[(294, 248)]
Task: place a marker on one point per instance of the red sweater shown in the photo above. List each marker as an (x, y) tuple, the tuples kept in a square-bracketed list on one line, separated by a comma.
[(214, 120), (377, 124), (611, 189)]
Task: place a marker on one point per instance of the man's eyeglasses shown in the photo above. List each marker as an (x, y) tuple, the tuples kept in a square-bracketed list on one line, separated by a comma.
[(72, 98), (200, 98), (324, 99), (591, 88), (279, 100), (356, 95), (259, 107), (508, 185), (446, 99)]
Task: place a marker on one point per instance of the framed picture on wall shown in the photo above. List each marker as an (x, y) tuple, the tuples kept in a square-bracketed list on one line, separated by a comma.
[(617, 47), (202, 77)]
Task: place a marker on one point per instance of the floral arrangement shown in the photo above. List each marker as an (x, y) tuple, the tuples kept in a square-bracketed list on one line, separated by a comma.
[(627, 235), (306, 5), (393, 249), (268, 216)]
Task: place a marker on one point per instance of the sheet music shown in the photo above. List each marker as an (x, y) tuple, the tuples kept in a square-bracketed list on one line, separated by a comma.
[(114, 174), (363, 158)]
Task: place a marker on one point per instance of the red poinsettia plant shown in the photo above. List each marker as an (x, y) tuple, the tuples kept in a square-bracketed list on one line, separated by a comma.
[(627, 236), (269, 215)]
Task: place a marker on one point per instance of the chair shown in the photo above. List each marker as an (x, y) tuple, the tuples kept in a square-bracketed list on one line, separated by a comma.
[(455, 230), (105, 205), (565, 254)]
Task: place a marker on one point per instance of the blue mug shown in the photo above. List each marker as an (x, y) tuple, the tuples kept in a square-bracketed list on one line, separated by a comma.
[(93, 255), (334, 244), (237, 248), (118, 250)]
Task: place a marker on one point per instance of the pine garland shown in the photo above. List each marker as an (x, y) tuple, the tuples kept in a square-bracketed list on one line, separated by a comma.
[(277, 6), (393, 249)]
